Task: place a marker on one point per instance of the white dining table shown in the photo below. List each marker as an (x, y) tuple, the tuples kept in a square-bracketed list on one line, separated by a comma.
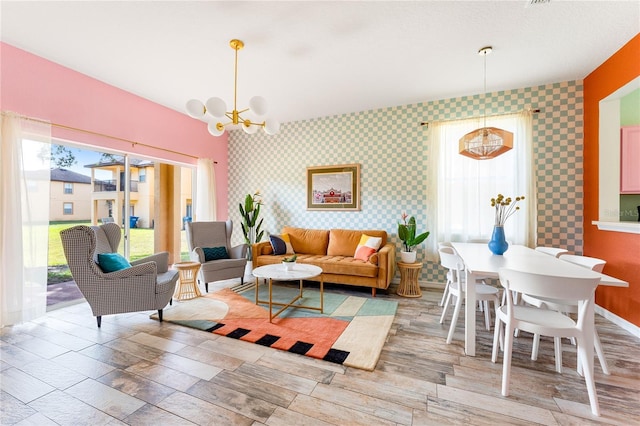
[(480, 262)]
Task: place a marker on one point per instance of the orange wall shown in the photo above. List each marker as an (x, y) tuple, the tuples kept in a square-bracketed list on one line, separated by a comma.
[(620, 250)]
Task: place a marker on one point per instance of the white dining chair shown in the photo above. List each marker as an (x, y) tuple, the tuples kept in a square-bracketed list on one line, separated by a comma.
[(552, 251), (478, 279), (543, 321), (484, 293), (569, 307), (592, 263), (449, 273)]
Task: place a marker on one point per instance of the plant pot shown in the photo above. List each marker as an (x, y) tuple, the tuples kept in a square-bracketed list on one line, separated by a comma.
[(408, 256), (498, 244), (288, 266)]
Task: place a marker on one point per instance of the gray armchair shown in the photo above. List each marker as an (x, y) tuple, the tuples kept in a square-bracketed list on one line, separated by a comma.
[(147, 285), (201, 235)]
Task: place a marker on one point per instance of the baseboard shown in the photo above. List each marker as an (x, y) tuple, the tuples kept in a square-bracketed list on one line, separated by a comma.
[(431, 284), (620, 322)]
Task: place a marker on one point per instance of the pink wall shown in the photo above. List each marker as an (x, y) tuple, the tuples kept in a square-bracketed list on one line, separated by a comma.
[(38, 88)]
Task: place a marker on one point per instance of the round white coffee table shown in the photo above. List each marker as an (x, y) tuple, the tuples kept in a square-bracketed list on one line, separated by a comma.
[(299, 272)]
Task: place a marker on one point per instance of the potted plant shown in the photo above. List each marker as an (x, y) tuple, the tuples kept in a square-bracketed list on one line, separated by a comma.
[(407, 234), (289, 262), (251, 227)]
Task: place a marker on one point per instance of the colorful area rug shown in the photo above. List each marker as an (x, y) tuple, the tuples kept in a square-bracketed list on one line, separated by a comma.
[(351, 331)]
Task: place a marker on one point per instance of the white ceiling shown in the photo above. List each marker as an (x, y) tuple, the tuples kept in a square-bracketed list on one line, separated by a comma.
[(319, 58)]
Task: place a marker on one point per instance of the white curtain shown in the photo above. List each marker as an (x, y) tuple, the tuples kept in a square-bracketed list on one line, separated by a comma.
[(25, 147), (205, 190), (462, 188)]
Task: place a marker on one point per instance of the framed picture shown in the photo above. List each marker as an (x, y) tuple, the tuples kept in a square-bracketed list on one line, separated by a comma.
[(333, 187)]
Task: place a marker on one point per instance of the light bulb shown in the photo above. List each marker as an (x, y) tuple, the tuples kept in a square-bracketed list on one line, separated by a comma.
[(249, 128), (215, 128), (195, 108), (258, 105), (216, 107), (271, 126)]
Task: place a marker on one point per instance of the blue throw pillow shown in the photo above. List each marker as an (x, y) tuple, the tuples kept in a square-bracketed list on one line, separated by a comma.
[(111, 262), (278, 245), (215, 253)]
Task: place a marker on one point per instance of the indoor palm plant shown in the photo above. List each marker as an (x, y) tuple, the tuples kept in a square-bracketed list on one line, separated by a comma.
[(251, 226), (407, 234)]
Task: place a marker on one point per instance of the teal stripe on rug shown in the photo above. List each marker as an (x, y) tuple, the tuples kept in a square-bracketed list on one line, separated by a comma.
[(197, 324), (378, 307), (311, 297)]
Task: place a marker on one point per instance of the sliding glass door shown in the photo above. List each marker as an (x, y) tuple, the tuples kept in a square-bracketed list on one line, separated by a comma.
[(92, 187)]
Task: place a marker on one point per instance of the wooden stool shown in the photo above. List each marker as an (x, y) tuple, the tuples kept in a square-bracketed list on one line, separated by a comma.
[(187, 287), (409, 273)]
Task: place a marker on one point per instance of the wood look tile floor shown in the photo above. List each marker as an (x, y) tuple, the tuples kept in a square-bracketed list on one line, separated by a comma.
[(62, 370)]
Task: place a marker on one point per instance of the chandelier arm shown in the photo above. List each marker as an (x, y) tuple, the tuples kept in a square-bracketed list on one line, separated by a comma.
[(250, 123)]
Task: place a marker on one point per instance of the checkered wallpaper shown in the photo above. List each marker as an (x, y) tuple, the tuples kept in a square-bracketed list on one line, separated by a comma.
[(390, 145)]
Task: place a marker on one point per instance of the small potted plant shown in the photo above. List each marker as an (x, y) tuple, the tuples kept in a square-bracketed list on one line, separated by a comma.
[(250, 213), (289, 262), (407, 234)]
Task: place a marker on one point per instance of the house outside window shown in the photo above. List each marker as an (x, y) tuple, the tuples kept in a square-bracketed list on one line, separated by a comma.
[(67, 208), (142, 175), (68, 188)]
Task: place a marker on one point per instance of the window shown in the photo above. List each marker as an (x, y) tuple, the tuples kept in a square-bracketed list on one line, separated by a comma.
[(68, 188), (67, 208), (142, 175), (463, 187)]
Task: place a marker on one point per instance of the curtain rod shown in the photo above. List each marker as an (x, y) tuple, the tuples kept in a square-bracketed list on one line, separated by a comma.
[(90, 132), (533, 111)]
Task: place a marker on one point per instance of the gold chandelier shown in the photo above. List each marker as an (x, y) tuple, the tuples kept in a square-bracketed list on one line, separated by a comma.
[(487, 142), (214, 111)]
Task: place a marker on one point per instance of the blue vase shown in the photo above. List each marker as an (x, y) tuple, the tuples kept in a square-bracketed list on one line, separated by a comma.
[(498, 244)]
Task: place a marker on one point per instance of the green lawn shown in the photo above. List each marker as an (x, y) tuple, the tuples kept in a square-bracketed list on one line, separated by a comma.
[(141, 246)]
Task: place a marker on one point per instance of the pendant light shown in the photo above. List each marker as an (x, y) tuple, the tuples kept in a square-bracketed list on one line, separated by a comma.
[(214, 111), (487, 142)]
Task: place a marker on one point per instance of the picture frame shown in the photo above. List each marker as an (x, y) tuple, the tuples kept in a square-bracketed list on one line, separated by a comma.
[(333, 187)]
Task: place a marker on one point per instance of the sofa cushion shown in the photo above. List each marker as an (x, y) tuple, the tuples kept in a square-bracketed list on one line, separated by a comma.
[(215, 253), (308, 241), (341, 265), (343, 242), (278, 245), (367, 246), (281, 244), (111, 262)]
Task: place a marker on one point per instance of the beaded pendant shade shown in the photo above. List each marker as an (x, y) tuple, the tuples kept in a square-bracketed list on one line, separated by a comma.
[(486, 142)]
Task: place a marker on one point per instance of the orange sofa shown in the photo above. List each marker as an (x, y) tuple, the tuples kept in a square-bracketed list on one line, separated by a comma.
[(333, 251)]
